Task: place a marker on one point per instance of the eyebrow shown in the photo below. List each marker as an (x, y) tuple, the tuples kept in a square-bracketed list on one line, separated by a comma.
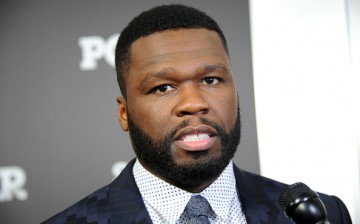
[(212, 67), (206, 68), (153, 75)]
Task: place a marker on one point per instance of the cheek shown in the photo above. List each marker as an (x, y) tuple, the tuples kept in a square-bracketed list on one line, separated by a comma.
[(227, 110), (150, 117)]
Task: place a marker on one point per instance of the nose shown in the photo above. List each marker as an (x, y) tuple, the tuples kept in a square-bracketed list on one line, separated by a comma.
[(192, 102)]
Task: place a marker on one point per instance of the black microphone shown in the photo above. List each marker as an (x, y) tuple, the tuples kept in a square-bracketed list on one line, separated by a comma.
[(302, 205)]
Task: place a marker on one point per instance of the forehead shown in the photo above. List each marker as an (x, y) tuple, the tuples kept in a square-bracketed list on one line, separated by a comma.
[(176, 40), (180, 49)]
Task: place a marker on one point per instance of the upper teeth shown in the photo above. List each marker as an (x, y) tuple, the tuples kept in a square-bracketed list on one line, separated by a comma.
[(196, 137)]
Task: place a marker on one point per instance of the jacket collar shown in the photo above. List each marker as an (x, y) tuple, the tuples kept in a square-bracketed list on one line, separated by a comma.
[(259, 198), (126, 204)]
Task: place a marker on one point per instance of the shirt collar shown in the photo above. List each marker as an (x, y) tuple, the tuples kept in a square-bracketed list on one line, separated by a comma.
[(221, 192), (170, 201)]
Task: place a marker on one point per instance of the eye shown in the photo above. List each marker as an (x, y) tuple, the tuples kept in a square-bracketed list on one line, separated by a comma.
[(163, 88), (210, 81)]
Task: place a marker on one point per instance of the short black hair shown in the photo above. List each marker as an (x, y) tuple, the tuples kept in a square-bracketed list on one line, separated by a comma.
[(160, 18)]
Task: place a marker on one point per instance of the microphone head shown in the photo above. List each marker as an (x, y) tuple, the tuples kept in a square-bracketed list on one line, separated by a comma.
[(302, 205)]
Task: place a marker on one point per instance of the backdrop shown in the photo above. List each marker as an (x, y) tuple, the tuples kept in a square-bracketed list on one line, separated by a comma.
[(306, 67), (59, 135)]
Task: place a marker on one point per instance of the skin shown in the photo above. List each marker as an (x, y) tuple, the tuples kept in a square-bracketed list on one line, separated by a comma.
[(176, 76)]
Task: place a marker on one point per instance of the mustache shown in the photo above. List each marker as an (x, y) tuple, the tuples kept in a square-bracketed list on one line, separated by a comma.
[(186, 123)]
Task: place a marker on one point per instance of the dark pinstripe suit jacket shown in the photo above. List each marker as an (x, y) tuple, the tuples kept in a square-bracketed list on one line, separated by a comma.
[(120, 202)]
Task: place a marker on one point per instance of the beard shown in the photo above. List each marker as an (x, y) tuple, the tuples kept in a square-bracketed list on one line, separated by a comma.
[(157, 156)]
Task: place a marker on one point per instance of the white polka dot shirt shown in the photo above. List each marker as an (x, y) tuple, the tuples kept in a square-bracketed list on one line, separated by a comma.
[(166, 203)]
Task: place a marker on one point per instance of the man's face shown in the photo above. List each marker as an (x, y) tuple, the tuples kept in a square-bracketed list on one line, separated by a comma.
[(181, 107)]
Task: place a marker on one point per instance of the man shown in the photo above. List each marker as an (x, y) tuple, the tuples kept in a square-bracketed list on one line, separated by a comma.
[(179, 103)]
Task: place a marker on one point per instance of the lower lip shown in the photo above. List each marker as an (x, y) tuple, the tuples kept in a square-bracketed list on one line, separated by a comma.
[(196, 145)]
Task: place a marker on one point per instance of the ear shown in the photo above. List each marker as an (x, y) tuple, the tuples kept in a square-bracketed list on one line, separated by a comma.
[(122, 115)]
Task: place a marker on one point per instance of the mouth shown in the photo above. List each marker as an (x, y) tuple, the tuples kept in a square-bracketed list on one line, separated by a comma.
[(196, 138)]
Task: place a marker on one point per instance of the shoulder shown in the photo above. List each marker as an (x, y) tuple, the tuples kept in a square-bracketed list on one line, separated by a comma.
[(97, 206), (252, 183), (253, 187), (81, 211), (336, 209)]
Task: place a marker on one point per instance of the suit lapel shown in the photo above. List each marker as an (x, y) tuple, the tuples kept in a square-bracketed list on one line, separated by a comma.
[(125, 202), (259, 198)]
